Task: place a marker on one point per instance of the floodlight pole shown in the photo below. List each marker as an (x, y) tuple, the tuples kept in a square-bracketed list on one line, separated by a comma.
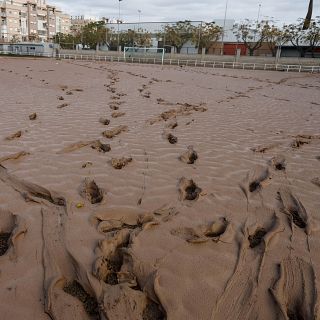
[(119, 25), (224, 26)]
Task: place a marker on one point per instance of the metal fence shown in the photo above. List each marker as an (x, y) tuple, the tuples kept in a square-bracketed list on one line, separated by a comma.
[(178, 62)]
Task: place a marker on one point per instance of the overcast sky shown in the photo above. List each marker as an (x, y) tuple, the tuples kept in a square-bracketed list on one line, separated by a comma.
[(173, 10)]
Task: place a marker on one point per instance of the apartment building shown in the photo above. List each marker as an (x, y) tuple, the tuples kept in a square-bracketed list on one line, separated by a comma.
[(28, 20)]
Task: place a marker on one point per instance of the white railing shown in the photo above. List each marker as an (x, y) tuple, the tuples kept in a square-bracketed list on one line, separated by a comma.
[(177, 62)]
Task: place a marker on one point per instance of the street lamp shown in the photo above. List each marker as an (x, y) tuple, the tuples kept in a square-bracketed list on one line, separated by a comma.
[(119, 25)]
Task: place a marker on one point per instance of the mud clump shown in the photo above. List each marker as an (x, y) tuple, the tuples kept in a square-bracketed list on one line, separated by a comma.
[(188, 190), (117, 114), (4, 243), (120, 163), (60, 98), (172, 139), (114, 132), (16, 135), (189, 156), (90, 191), (33, 116), (90, 304), (104, 121), (256, 238), (101, 147)]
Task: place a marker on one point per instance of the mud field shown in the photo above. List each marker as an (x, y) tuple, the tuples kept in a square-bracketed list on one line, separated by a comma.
[(146, 192)]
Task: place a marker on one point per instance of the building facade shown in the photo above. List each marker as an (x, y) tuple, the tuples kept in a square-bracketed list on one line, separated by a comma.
[(29, 20)]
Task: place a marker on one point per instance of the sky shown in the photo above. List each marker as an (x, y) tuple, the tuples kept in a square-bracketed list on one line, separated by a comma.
[(175, 10)]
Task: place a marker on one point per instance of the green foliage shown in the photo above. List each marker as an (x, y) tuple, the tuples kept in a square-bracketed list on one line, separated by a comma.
[(275, 36), (304, 39), (206, 34), (177, 35), (93, 33), (67, 41), (251, 33)]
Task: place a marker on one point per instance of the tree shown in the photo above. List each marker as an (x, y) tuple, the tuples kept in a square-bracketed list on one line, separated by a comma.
[(276, 37), (307, 20), (304, 40), (15, 39), (143, 38), (177, 35), (251, 33), (205, 35), (67, 41), (313, 35), (93, 34)]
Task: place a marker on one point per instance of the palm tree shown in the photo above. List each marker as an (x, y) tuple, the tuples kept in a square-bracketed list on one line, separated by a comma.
[(307, 20)]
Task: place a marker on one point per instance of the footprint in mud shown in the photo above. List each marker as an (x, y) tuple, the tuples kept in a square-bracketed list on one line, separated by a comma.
[(101, 147), (204, 233), (114, 132), (117, 114), (33, 116), (115, 266), (189, 156), (254, 179), (11, 227), (295, 290), (257, 237), (318, 158), (172, 124), (293, 208), (316, 181), (4, 242), (13, 136), (278, 163), (14, 156), (87, 164), (188, 190), (120, 163), (61, 98), (264, 148), (90, 304), (90, 191), (63, 105), (104, 121), (171, 138), (298, 143)]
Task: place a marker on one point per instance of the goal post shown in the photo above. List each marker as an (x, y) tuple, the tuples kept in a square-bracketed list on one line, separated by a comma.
[(139, 52)]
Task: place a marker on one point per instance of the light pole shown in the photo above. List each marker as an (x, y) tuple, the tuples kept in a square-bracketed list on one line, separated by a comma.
[(119, 25), (259, 12), (224, 26)]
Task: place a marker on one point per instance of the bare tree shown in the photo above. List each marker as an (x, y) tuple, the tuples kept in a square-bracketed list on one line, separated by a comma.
[(251, 33)]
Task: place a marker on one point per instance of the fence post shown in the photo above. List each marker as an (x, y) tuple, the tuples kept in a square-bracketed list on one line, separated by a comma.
[(195, 63), (214, 64), (254, 66)]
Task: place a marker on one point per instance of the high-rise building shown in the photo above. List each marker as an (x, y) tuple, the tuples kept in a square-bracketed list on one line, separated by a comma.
[(27, 20)]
